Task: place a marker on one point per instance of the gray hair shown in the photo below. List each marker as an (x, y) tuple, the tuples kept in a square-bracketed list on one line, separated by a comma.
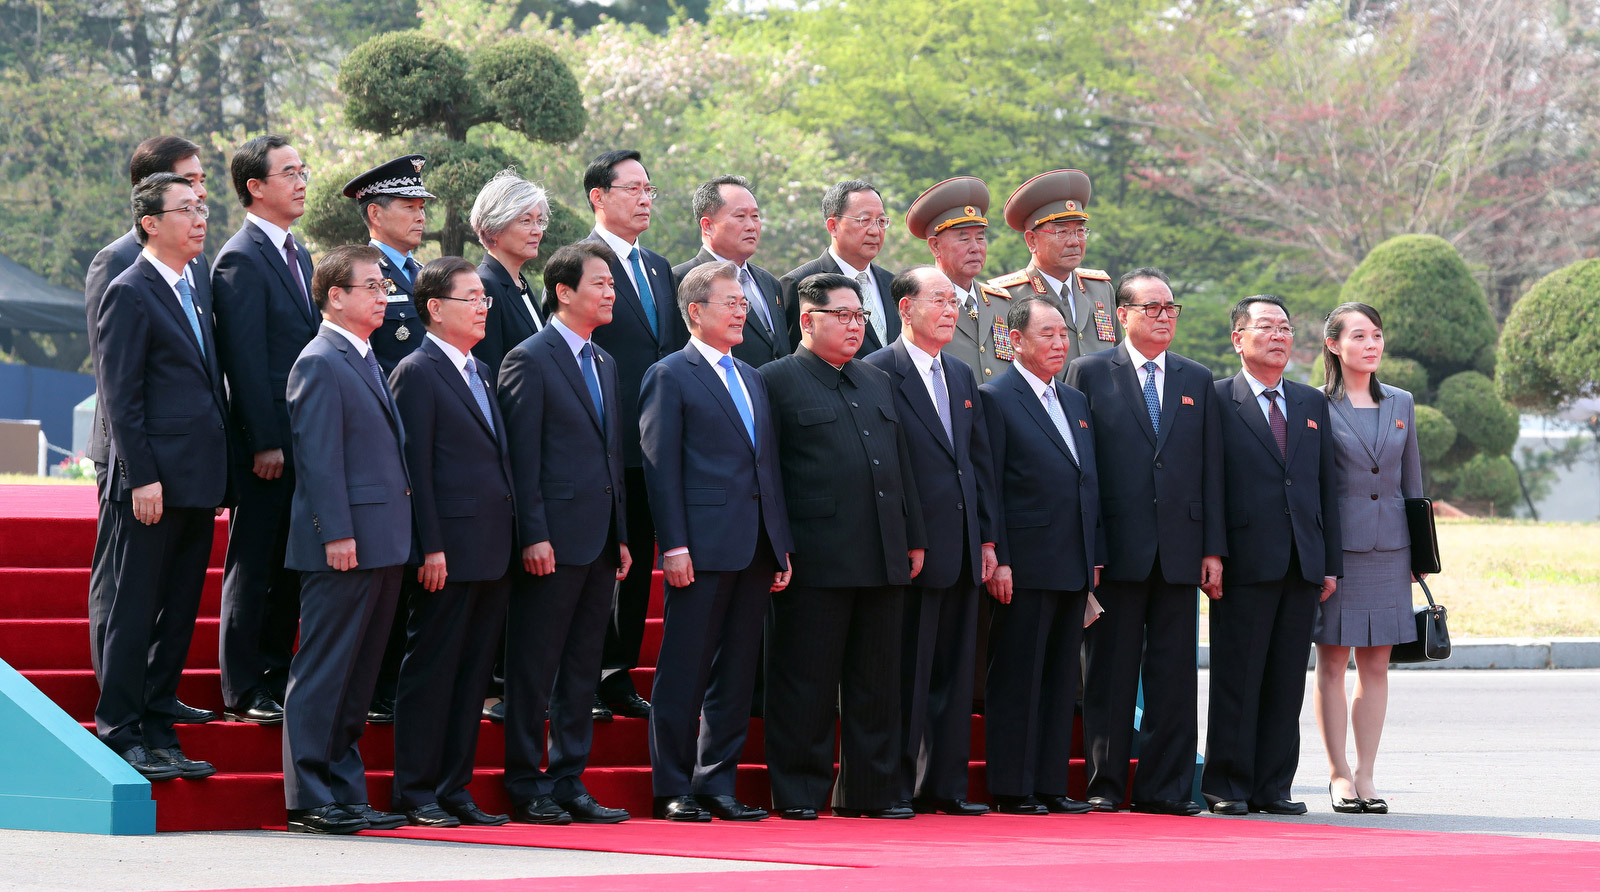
[(505, 198), (696, 286)]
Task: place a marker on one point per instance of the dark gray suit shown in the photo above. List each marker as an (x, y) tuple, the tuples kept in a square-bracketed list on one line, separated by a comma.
[(760, 345), (350, 482), (825, 264), (834, 634)]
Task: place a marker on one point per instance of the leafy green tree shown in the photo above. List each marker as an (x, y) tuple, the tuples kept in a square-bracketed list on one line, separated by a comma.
[(1550, 347), (1433, 310), (1485, 424), (1486, 481)]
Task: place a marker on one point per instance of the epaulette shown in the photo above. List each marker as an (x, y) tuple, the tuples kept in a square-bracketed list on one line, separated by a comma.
[(1010, 279), (1094, 274), (992, 291)]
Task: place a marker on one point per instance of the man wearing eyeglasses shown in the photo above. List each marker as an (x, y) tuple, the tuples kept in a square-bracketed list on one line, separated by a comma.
[(1154, 417), (1051, 212), (645, 327), (1283, 553), (853, 212), (265, 317), (156, 358), (833, 636), (950, 216), (730, 229)]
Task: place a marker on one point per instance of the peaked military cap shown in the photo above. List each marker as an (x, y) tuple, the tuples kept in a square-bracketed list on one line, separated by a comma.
[(401, 177), (956, 203), (1056, 195)]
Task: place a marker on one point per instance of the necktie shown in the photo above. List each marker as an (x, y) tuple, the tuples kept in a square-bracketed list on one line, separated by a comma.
[(377, 373), (736, 391), (878, 321), (646, 298), (1070, 301), (475, 384), (412, 268), (186, 297), (1053, 409), (1152, 403), (1279, 424), (755, 297), (292, 255), (586, 363), (527, 300), (941, 400)]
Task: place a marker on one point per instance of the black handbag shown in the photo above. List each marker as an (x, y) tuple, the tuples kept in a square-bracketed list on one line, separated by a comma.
[(1433, 634)]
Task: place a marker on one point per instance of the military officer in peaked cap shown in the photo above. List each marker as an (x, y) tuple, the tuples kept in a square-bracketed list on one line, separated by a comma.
[(1051, 212), (391, 198), (950, 216)]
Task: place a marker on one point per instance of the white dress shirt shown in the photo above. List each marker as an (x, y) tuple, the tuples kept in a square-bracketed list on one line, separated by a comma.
[(752, 291), (713, 357), (923, 360), (360, 344), (622, 249), (1139, 359), (172, 276), (276, 235), (1257, 388), (456, 357), (1064, 289)]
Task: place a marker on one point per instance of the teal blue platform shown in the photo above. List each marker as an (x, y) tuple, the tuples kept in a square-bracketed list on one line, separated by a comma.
[(63, 778)]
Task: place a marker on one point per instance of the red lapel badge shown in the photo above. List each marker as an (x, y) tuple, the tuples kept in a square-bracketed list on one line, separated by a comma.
[(1188, 401), (1082, 423), (1399, 424), (969, 404), (1311, 424)]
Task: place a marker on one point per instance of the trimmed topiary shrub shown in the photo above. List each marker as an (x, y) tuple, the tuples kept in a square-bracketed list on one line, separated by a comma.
[(1484, 423), (1550, 349), (1435, 434), (1406, 374), (1489, 481)]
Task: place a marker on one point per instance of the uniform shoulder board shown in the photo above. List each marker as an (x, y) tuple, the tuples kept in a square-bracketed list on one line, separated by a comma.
[(1094, 274), (992, 291), (1010, 279)]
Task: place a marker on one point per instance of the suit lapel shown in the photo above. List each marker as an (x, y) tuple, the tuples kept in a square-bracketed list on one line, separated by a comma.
[(1127, 380), (510, 281), (1030, 402), (1343, 407), (891, 314), (1171, 399), (454, 383), (272, 256), (711, 378), (621, 270), (364, 372), (916, 392), (1249, 409), (1387, 409), (569, 367), (167, 299), (1294, 416)]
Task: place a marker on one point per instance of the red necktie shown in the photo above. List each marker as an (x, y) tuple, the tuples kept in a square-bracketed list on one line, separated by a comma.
[(1279, 424)]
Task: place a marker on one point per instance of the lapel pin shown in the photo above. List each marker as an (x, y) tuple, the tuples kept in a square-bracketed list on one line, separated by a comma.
[(1188, 401), (1083, 424), (1311, 424), (1399, 424), (969, 404)]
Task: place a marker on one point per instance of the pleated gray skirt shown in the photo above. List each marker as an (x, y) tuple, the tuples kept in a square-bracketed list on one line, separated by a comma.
[(1372, 605)]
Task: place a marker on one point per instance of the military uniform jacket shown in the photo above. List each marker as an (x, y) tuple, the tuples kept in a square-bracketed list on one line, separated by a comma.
[(1094, 326), (402, 327), (974, 342)]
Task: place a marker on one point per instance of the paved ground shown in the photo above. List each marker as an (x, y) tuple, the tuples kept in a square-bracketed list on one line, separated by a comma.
[(1487, 752)]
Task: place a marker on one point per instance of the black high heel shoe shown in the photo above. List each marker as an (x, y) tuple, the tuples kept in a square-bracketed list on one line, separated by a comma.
[(1348, 806), (1375, 806)]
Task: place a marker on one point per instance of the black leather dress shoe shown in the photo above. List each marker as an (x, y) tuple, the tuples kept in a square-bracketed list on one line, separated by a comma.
[(632, 706), (381, 711), (496, 713), (377, 820), (730, 809), (1103, 803), (948, 806), (1019, 805), (145, 762), (1063, 805), (1182, 808), (585, 810), (259, 708), (892, 812), (192, 769), (541, 810), (1229, 807), (600, 712), (798, 813), (1278, 807), (431, 815), (678, 808), (470, 815), (324, 819), (184, 714)]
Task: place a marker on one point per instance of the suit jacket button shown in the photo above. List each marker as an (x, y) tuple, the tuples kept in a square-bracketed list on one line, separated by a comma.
[(866, 433), (1287, 482), (408, 490), (608, 489), (958, 472), (880, 494), (1374, 470), (855, 405), (1158, 466), (874, 461), (1374, 497), (961, 506), (1286, 511), (508, 497), (756, 496)]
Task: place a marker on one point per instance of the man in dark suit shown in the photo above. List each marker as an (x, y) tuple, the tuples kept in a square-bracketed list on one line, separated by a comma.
[(465, 519), (561, 404), (158, 154), (833, 636), (937, 400), (646, 327), (730, 229), (857, 224), (350, 538), (265, 317), (156, 358), (1161, 502), (510, 216), (1278, 453), (1044, 455), (709, 450)]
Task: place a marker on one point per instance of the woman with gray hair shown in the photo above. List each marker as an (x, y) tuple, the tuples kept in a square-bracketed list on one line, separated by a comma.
[(510, 216)]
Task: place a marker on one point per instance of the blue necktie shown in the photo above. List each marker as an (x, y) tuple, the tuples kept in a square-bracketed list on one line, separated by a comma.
[(586, 363), (475, 384), (941, 403), (412, 268), (1152, 403), (186, 297), (736, 391), (647, 299)]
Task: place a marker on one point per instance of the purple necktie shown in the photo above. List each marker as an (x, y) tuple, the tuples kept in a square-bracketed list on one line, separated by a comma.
[(293, 254), (1279, 424)]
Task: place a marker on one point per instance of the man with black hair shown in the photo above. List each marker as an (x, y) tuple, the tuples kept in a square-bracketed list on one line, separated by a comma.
[(857, 223)]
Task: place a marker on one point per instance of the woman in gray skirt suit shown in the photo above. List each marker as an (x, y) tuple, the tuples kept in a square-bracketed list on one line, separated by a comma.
[(1374, 428)]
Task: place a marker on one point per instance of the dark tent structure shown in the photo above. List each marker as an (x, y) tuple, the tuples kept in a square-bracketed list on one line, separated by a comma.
[(30, 303)]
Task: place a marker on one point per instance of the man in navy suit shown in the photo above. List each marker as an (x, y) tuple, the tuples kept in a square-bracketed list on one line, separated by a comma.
[(1154, 415), (1283, 553), (350, 538), (730, 229), (265, 317), (465, 520), (1044, 456), (936, 397), (710, 453), (156, 358), (158, 154), (857, 224), (563, 417), (646, 327)]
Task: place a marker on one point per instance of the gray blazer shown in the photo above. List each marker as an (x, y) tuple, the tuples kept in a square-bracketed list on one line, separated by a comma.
[(1374, 484)]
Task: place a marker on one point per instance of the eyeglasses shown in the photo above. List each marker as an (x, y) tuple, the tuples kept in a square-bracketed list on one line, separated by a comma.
[(866, 221), (943, 303), (193, 211), (372, 288), (1282, 331), (482, 303), (539, 223), (742, 304), (303, 174), (847, 317), (636, 189), (1072, 235), (1154, 310)]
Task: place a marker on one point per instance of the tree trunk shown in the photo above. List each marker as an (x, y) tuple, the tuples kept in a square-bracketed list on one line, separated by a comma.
[(253, 67)]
